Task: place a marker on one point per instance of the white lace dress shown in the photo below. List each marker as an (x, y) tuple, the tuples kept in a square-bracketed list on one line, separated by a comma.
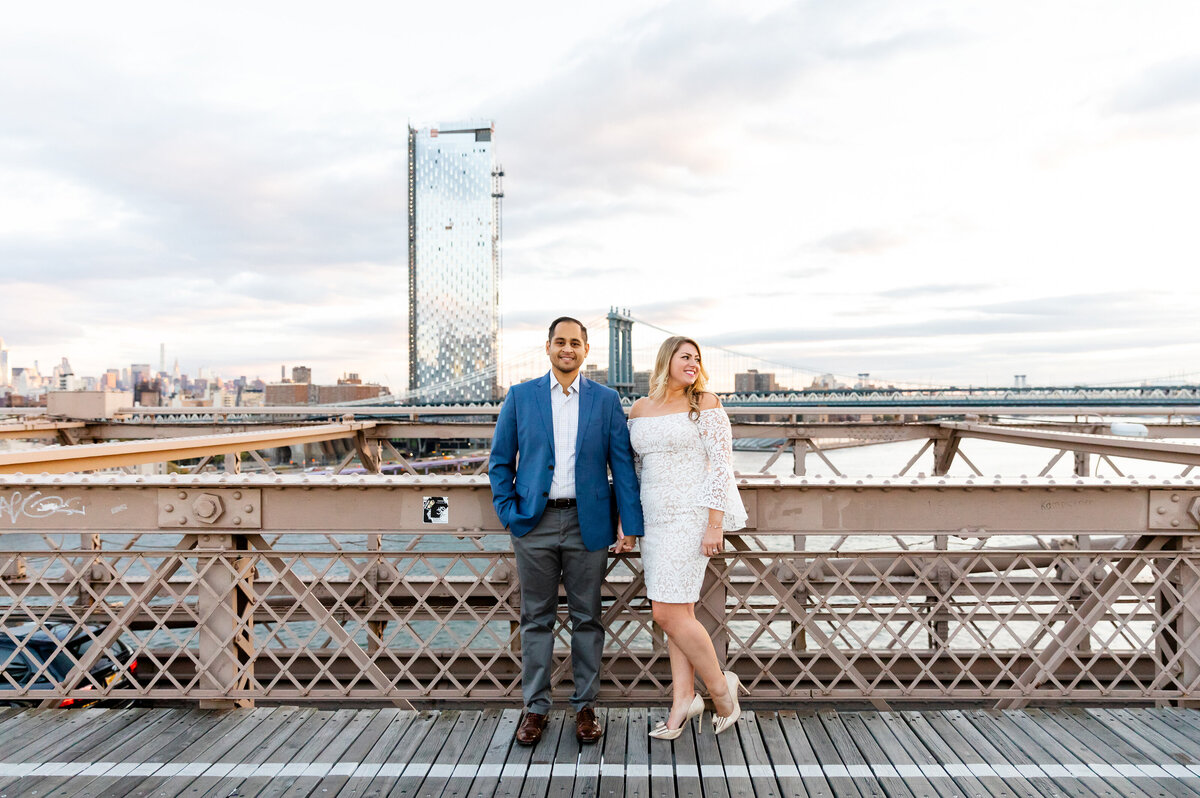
[(685, 467)]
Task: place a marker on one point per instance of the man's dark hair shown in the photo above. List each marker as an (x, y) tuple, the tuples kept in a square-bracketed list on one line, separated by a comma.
[(559, 320)]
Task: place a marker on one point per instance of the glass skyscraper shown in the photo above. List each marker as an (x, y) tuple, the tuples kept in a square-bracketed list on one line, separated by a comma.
[(454, 195)]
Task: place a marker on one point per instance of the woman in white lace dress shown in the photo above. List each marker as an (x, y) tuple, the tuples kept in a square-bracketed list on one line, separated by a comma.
[(683, 454)]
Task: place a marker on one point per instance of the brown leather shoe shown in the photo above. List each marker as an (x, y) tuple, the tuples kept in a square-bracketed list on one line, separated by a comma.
[(530, 730), (587, 728)]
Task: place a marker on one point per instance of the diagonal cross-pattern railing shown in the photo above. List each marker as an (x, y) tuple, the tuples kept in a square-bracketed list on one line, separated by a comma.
[(346, 589)]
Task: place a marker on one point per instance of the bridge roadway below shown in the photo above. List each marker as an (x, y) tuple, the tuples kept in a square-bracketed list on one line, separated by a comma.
[(303, 751)]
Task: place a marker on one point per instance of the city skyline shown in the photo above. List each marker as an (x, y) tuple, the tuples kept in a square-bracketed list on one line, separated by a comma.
[(929, 192)]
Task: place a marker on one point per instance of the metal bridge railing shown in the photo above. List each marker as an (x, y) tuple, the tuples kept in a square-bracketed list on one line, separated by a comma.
[(237, 589)]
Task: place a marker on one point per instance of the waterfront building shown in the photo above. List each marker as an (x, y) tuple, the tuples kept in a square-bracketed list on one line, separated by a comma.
[(3, 364), (752, 381), (454, 195)]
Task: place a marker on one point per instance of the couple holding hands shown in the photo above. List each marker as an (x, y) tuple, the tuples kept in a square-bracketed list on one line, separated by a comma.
[(672, 479)]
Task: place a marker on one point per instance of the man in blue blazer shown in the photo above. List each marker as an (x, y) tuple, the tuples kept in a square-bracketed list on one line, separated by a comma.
[(556, 501)]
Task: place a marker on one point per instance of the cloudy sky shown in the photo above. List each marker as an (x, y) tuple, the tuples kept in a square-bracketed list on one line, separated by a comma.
[(930, 192)]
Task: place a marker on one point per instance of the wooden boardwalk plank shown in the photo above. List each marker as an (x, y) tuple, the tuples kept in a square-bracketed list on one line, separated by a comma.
[(808, 760), (316, 726), (537, 777), (637, 754), (372, 754), (1107, 750), (447, 758), (687, 762), (661, 756), (791, 783), (150, 747), (1096, 753), (1172, 724), (612, 768), (754, 749), (216, 740), (515, 766), (84, 749), (393, 762), (1163, 747), (1021, 753), (332, 762), (712, 775), (903, 752), (1057, 757), (263, 722), (488, 777), (419, 763), (587, 779), (25, 741), (733, 759), (953, 753), (829, 758), (953, 722), (319, 753), (252, 750), (858, 759), (57, 738), (459, 783), (563, 775)]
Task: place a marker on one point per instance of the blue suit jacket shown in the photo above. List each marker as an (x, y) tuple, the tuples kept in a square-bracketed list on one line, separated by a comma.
[(520, 486)]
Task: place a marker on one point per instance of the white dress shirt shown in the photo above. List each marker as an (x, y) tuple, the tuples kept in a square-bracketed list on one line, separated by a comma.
[(564, 409)]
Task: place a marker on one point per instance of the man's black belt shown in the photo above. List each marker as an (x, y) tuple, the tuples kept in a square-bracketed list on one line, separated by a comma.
[(560, 504)]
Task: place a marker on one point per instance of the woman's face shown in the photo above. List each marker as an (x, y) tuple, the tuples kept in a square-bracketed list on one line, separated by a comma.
[(685, 365)]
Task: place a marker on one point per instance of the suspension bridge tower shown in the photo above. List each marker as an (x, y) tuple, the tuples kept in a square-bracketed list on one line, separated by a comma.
[(620, 350)]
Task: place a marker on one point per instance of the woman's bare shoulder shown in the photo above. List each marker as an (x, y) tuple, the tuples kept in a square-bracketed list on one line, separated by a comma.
[(709, 400), (638, 407)]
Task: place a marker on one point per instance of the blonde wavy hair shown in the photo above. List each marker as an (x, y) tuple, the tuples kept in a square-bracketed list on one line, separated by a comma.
[(662, 372)]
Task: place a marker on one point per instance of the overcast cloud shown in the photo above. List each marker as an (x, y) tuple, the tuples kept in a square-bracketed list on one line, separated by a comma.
[(873, 185)]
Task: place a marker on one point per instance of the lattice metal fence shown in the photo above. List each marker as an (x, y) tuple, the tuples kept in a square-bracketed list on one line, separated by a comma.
[(801, 607)]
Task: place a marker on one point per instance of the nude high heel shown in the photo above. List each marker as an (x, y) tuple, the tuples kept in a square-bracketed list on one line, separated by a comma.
[(664, 732), (723, 722)]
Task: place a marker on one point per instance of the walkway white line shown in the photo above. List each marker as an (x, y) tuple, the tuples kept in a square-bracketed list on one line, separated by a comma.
[(636, 770)]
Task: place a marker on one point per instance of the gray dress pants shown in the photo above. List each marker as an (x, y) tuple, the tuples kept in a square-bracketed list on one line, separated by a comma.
[(551, 554)]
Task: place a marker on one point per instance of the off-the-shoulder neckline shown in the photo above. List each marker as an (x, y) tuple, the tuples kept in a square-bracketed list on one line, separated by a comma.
[(680, 413)]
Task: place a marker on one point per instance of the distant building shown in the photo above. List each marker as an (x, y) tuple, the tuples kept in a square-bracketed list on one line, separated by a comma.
[(751, 381), (348, 389), (641, 383), (139, 373), (3, 364), (454, 193), (301, 374), (286, 394), (595, 373)]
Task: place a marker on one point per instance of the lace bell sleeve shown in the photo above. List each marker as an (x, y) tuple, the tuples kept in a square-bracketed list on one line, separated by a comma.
[(719, 491)]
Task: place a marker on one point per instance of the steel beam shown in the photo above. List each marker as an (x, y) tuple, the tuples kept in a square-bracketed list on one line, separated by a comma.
[(967, 507), (36, 428), (91, 457), (1109, 445)]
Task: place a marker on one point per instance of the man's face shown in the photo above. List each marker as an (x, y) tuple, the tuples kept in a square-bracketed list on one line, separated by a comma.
[(566, 347)]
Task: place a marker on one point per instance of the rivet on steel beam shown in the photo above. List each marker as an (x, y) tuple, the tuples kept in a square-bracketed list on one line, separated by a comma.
[(1174, 497), (249, 508), (1161, 511), (237, 520), (237, 494), (1174, 522), (170, 508), (182, 520), (182, 494)]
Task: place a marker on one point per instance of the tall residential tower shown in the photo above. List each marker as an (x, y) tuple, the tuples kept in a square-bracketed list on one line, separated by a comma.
[(454, 201)]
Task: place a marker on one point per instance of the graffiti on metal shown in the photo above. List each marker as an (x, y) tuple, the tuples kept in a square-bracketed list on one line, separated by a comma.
[(16, 505)]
